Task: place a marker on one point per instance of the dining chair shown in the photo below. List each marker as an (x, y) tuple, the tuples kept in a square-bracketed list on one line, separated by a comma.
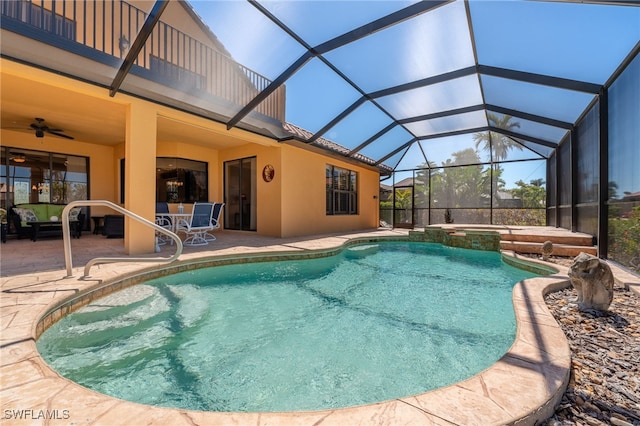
[(162, 209), (197, 226), (215, 221)]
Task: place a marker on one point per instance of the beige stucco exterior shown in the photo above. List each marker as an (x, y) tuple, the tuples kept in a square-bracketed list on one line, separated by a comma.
[(304, 195), (108, 129), (292, 204)]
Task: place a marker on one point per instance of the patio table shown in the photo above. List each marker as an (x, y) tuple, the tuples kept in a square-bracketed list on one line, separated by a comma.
[(174, 218)]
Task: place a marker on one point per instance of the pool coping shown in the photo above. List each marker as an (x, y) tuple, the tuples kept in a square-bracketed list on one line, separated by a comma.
[(523, 387)]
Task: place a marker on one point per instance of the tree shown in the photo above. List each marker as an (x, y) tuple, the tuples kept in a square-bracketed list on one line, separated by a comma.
[(496, 143), (461, 182), (533, 194), (613, 190)]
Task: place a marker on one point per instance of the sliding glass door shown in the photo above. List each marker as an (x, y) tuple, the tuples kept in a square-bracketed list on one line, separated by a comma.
[(240, 194)]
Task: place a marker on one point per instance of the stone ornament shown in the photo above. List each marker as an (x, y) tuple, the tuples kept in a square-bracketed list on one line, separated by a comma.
[(593, 280), (547, 250)]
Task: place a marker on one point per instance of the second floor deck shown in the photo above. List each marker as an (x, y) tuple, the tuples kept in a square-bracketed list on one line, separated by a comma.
[(181, 62)]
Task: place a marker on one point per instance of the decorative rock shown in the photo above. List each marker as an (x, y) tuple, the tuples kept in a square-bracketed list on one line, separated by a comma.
[(593, 281), (618, 422), (547, 250), (605, 361)]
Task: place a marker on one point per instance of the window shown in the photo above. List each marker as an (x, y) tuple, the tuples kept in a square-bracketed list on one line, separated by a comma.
[(181, 181), (342, 191), (41, 177)]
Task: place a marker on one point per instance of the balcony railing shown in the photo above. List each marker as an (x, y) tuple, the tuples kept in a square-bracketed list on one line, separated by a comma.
[(169, 57)]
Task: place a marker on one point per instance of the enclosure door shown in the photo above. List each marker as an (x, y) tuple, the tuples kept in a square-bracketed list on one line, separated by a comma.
[(240, 194), (403, 207)]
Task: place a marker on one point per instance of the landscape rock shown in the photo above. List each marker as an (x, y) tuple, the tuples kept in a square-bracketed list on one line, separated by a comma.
[(593, 280)]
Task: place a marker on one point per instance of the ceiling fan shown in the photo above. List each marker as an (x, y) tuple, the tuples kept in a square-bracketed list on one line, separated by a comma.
[(40, 128)]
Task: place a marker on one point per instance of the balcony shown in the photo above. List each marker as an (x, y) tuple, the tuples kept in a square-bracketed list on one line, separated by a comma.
[(89, 40)]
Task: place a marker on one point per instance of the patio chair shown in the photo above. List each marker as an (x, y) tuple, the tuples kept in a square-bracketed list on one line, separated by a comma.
[(162, 209), (198, 225), (215, 221)]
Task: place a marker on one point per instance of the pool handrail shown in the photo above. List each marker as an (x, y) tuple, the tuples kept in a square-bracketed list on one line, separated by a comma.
[(66, 235)]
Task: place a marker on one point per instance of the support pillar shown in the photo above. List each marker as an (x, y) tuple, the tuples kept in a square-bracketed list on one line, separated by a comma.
[(140, 173)]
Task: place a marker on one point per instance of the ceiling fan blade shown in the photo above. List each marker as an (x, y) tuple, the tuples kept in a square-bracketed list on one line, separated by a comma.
[(62, 135)]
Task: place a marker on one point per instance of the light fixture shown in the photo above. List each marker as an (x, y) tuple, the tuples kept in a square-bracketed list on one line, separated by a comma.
[(123, 44), (19, 159), (39, 133), (39, 187)]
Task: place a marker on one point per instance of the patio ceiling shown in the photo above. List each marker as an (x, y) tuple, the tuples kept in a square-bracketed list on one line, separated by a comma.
[(78, 114), (406, 83), (90, 117)]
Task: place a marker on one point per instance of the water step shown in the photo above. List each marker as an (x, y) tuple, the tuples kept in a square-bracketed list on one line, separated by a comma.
[(558, 249)]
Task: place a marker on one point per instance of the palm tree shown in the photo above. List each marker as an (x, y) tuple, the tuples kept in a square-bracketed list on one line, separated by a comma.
[(497, 142)]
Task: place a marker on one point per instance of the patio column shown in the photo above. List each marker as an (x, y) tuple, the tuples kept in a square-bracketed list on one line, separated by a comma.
[(140, 172)]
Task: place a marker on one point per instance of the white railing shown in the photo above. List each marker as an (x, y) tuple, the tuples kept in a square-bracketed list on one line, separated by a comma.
[(66, 233)]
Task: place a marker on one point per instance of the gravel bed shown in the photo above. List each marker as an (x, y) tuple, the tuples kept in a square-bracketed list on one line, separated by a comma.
[(604, 387)]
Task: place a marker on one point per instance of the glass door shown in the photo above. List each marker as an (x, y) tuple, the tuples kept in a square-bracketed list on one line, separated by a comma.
[(240, 194), (403, 207)]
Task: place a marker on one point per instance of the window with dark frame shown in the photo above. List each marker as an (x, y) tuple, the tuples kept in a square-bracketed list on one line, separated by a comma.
[(342, 191), (181, 181), (28, 176)]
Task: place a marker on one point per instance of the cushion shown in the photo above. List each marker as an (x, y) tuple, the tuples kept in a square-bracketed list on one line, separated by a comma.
[(26, 215), (74, 213), (54, 210), (40, 210)]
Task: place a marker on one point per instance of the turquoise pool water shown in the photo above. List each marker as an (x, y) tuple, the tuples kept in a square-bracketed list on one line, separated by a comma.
[(379, 321)]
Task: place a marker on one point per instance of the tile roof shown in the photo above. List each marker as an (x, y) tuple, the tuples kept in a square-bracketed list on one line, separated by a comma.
[(305, 135)]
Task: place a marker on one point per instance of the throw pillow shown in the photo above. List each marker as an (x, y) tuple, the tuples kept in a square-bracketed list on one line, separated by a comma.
[(26, 215), (74, 213)]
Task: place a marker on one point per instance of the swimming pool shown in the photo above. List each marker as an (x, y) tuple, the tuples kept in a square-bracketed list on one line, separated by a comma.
[(368, 325)]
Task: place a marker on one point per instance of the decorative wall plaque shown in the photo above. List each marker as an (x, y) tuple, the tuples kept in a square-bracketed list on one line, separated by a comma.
[(268, 172)]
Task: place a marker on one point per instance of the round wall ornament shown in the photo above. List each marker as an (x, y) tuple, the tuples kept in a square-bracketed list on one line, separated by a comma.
[(268, 173)]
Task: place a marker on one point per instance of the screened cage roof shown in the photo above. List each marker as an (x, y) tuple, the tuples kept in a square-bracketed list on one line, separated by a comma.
[(401, 84)]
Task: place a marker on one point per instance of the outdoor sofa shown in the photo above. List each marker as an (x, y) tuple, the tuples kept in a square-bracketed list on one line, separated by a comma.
[(41, 219)]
